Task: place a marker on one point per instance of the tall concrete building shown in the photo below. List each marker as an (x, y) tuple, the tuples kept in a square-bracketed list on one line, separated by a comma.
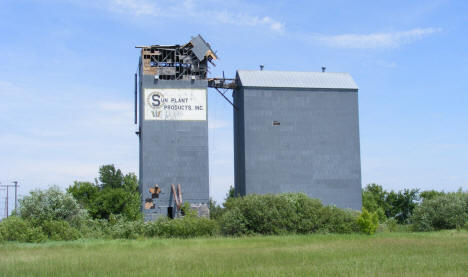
[(173, 127), (298, 132)]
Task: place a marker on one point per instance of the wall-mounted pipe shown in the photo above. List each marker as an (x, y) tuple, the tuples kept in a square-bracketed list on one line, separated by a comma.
[(136, 96)]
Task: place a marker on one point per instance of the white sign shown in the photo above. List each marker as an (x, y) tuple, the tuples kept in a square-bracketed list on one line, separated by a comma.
[(175, 104)]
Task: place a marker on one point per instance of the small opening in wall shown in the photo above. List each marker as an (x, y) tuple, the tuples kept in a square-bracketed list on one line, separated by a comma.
[(170, 212), (149, 204), (276, 123), (155, 191)]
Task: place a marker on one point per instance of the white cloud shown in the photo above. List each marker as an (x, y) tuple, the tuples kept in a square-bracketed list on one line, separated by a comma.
[(374, 40), (248, 20), (194, 10)]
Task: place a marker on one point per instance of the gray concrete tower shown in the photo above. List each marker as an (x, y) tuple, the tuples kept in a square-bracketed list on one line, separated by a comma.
[(298, 132), (173, 127)]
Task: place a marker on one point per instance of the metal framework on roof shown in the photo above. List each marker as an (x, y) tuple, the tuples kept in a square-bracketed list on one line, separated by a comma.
[(178, 62)]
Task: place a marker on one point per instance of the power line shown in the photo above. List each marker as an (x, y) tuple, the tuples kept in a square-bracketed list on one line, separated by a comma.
[(16, 195)]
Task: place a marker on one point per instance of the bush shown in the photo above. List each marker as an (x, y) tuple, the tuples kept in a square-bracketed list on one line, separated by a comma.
[(368, 222), (185, 227), (264, 214), (18, 229), (95, 228), (116, 201), (51, 204), (399, 205), (443, 212), (118, 227), (284, 213), (391, 224), (336, 220), (187, 210), (233, 223), (60, 230), (216, 211)]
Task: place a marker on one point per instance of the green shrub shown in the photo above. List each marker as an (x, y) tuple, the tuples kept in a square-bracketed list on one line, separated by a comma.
[(381, 214), (399, 205), (50, 204), (124, 229), (185, 227), (17, 229), (368, 222), (442, 212), (304, 213), (336, 220), (391, 224), (187, 210), (233, 223), (95, 228), (265, 214), (216, 211), (60, 230), (284, 213)]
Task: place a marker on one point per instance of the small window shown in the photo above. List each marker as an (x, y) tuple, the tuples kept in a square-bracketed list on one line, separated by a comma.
[(276, 123)]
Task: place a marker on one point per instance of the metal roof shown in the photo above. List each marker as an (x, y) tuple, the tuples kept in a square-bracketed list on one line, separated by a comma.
[(201, 48), (292, 79)]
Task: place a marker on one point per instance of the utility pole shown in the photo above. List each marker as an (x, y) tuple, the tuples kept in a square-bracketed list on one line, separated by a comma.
[(16, 194), (5, 201), (7, 186)]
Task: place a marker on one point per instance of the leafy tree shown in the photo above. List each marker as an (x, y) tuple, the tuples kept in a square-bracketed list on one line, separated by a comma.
[(402, 204), (231, 193), (130, 182), (398, 205), (216, 211), (109, 177), (430, 194), (374, 200), (443, 212), (84, 192), (114, 201), (113, 194)]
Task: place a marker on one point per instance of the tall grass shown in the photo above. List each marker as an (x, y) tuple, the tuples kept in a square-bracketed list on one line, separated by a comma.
[(384, 254)]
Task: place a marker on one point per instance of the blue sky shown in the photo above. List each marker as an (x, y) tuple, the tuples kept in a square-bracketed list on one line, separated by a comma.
[(66, 80)]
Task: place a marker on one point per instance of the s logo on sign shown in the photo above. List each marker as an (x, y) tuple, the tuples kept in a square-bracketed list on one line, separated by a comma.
[(154, 101)]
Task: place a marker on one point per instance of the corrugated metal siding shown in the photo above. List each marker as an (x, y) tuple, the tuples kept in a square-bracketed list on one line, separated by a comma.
[(173, 152), (314, 149), (290, 79), (200, 47)]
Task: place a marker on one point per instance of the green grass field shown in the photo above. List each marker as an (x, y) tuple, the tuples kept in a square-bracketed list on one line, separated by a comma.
[(384, 254)]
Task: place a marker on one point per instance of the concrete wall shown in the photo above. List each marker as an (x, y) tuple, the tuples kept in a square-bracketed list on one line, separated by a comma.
[(172, 152), (314, 150)]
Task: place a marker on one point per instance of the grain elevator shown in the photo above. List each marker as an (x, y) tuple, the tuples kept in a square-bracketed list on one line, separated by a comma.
[(173, 127), (297, 132)]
